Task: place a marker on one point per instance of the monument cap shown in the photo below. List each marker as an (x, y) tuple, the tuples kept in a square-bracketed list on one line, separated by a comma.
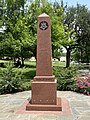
[(43, 15)]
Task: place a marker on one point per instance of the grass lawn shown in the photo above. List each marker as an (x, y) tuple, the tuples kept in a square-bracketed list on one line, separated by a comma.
[(60, 64), (32, 64)]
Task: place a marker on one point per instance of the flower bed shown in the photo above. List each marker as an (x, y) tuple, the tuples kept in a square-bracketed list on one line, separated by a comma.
[(82, 85)]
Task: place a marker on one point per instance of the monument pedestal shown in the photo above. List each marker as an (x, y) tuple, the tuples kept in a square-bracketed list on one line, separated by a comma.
[(42, 107), (44, 95)]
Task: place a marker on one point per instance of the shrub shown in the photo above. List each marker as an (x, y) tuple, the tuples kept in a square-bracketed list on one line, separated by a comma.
[(2, 64), (64, 77), (10, 80)]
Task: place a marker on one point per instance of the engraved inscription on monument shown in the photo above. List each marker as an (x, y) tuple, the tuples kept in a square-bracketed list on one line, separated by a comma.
[(43, 25)]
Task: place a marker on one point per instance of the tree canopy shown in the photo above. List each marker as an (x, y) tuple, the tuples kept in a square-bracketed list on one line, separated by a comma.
[(70, 28)]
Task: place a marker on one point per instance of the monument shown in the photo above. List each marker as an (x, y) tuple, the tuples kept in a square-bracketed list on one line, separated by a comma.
[(44, 85)]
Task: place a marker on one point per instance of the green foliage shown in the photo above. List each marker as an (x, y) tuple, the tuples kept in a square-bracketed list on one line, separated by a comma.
[(21, 27), (76, 55), (18, 38), (64, 77), (10, 80), (78, 19), (18, 79), (28, 75), (69, 26)]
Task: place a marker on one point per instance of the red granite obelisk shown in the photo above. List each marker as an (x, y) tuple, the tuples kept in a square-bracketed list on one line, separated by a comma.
[(44, 85)]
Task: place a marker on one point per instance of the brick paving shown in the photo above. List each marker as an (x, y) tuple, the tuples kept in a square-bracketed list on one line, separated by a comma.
[(11, 103)]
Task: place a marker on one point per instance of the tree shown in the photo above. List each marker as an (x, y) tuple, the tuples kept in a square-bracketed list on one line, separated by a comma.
[(18, 37), (37, 8), (65, 34), (22, 41), (78, 18), (58, 35), (83, 21), (2, 34), (21, 28)]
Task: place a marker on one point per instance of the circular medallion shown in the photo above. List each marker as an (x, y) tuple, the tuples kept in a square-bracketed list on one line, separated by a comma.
[(43, 25)]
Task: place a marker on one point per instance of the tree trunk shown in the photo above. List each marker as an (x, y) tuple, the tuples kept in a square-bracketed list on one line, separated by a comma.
[(87, 57), (14, 60), (81, 54), (22, 59), (68, 57)]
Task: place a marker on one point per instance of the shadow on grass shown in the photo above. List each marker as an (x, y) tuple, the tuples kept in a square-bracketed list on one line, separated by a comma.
[(29, 66)]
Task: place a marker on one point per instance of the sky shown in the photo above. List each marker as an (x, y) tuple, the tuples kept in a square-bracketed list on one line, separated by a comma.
[(74, 2)]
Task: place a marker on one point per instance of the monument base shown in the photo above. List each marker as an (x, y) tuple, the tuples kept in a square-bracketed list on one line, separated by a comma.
[(44, 96), (38, 107), (44, 92)]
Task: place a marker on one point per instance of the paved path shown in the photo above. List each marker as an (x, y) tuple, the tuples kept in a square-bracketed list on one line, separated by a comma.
[(10, 103)]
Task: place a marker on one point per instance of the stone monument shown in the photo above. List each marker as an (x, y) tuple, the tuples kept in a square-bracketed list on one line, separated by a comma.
[(44, 85)]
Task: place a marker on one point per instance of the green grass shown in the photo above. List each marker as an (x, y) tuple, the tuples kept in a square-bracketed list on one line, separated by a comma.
[(30, 64), (60, 64), (4, 61)]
